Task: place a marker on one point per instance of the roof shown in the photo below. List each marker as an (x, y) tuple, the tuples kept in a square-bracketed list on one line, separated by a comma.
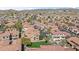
[(51, 48), (26, 24), (29, 29), (16, 45), (57, 32), (73, 41), (10, 24), (4, 43), (7, 33), (30, 32)]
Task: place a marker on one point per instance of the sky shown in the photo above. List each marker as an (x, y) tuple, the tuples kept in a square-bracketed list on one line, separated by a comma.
[(30, 4)]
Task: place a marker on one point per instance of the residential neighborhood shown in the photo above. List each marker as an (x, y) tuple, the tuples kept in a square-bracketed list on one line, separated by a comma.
[(39, 30)]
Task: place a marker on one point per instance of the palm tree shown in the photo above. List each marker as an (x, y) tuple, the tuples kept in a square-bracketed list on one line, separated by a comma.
[(49, 29), (18, 26), (10, 38)]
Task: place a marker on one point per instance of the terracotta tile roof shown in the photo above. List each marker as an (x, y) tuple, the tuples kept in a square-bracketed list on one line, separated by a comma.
[(26, 25), (14, 32), (51, 48), (58, 32), (16, 45), (10, 24), (4, 43), (30, 30), (73, 40), (6, 33), (1, 32)]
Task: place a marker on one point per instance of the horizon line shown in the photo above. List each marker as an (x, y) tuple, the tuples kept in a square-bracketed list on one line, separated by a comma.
[(34, 8)]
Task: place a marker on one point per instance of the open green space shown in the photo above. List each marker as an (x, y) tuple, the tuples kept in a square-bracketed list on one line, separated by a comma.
[(37, 44)]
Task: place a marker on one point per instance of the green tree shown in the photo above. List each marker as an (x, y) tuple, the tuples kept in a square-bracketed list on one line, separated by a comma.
[(26, 41), (46, 40), (2, 27), (49, 29), (18, 26), (48, 37), (32, 19), (63, 42), (42, 35)]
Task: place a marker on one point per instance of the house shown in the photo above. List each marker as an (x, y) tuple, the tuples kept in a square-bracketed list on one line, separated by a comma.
[(10, 45), (76, 31), (58, 35), (74, 42), (15, 46), (9, 23), (30, 32), (5, 35)]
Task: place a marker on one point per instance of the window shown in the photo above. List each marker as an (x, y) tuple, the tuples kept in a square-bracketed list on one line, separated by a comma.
[(3, 37), (7, 36), (63, 37), (16, 35), (56, 37), (34, 38)]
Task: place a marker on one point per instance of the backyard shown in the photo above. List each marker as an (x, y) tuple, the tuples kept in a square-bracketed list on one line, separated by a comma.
[(37, 44)]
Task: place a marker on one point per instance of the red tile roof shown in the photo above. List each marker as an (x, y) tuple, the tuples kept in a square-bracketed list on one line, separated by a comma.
[(51, 48), (74, 41), (16, 45), (57, 32)]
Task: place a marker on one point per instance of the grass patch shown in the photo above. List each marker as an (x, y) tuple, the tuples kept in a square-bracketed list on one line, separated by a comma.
[(37, 44)]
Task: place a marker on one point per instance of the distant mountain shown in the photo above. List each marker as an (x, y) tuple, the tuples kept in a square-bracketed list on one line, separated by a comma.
[(34, 8)]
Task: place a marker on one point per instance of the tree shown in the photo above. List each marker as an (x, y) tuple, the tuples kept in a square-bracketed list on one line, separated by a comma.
[(18, 26), (48, 37), (10, 38), (2, 27), (63, 42), (32, 19), (26, 41), (49, 29), (54, 43), (46, 40), (42, 35)]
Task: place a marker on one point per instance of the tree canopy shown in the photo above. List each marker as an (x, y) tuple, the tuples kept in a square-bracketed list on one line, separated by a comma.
[(42, 35), (26, 41), (18, 25), (2, 27)]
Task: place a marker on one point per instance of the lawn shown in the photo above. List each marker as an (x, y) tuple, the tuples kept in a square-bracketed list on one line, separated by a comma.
[(37, 44)]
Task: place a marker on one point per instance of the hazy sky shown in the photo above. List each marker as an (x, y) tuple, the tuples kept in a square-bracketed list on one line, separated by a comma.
[(21, 4)]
